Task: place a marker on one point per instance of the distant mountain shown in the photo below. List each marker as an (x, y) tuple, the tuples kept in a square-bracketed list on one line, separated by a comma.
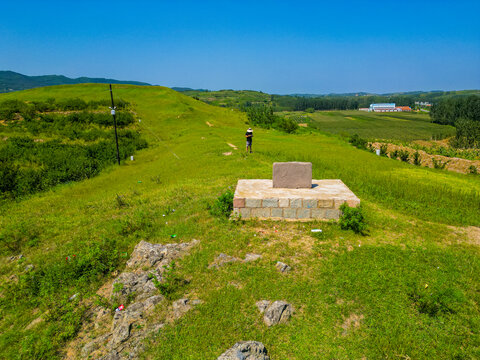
[(12, 81), (185, 89)]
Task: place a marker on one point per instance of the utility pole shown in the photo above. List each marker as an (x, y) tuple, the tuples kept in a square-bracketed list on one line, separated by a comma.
[(112, 111)]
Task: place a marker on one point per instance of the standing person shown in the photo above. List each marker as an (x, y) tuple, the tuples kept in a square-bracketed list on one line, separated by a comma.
[(249, 135)]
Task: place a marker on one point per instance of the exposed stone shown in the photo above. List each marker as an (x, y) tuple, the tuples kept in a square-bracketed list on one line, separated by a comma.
[(273, 203), (282, 267), (292, 175), (260, 212), (303, 213), (277, 312), (223, 259), (29, 267), (252, 257), (93, 345), (181, 306), (253, 203), (239, 203), (277, 212), (246, 350), (262, 305), (283, 202)]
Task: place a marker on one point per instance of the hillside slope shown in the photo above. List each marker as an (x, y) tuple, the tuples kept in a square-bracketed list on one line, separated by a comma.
[(409, 289), (13, 81)]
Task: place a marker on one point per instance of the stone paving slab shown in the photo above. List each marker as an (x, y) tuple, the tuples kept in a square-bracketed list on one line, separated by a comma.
[(258, 198)]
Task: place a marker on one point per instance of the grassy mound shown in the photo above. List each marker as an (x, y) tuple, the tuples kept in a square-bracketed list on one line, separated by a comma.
[(408, 289)]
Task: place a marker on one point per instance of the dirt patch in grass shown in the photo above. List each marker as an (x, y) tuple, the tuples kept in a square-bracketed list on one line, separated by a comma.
[(209, 124), (466, 235), (351, 323)]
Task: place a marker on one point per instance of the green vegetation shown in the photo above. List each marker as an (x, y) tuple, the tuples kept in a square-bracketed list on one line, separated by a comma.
[(353, 219), (264, 117), (41, 149), (376, 126), (310, 102), (411, 284)]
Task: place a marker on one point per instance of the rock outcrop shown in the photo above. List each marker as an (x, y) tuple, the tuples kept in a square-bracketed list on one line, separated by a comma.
[(136, 285), (246, 350), (282, 267), (276, 312)]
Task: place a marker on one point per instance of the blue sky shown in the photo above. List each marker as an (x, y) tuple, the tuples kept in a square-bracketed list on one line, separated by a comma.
[(273, 46)]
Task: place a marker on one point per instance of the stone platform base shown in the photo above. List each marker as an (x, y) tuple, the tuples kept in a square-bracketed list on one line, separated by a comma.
[(258, 199)]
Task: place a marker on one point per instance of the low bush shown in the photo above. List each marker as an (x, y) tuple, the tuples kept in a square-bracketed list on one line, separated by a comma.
[(416, 158), (223, 206), (352, 218), (383, 150), (358, 142), (439, 164), (404, 155)]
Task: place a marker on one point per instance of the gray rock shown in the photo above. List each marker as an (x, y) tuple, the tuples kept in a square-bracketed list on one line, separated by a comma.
[(93, 345), (246, 350), (282, 267), (252, 257), (148, 255), (112, 355), (277, 312), (223, 259), (29, 267), (262, 305)]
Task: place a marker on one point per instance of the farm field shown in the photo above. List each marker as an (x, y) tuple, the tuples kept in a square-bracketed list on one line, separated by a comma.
[(408, 289), (376, 126)]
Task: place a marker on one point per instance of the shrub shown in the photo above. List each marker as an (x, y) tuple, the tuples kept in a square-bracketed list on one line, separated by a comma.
[(223, 206), (472, 170), (394, 154), (287, 125), (383, 149), (416, 158), (404, 155), (353, 219), (358, 142), (434, 302), (439, 164)]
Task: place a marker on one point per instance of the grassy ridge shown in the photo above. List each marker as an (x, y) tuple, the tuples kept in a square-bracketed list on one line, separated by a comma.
[(410, 244)]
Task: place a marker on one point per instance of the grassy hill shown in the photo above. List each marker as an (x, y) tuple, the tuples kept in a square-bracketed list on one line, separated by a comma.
[(12, 81), (412, 283)]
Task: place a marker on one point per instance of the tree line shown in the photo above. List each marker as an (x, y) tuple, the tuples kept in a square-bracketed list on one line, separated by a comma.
[(464, 114)]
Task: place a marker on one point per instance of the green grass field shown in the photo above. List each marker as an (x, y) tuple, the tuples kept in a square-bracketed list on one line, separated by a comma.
[(376, 126), (412, 281)]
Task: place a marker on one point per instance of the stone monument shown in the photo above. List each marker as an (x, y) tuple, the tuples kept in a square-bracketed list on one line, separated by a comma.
[(292, 195)]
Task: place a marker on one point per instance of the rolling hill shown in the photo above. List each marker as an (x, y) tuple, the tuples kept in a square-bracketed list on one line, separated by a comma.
[(13, 81), (407, 289)]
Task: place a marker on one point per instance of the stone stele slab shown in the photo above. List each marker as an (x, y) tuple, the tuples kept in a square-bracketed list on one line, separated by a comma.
[(292, 175)]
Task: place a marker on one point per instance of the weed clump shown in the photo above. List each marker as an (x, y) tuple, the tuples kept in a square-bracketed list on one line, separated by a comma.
[(383, 149), (439, 164), (436, 302), (358, 142), (353, 219), (416, 158), (404, 155), (223, 206)]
